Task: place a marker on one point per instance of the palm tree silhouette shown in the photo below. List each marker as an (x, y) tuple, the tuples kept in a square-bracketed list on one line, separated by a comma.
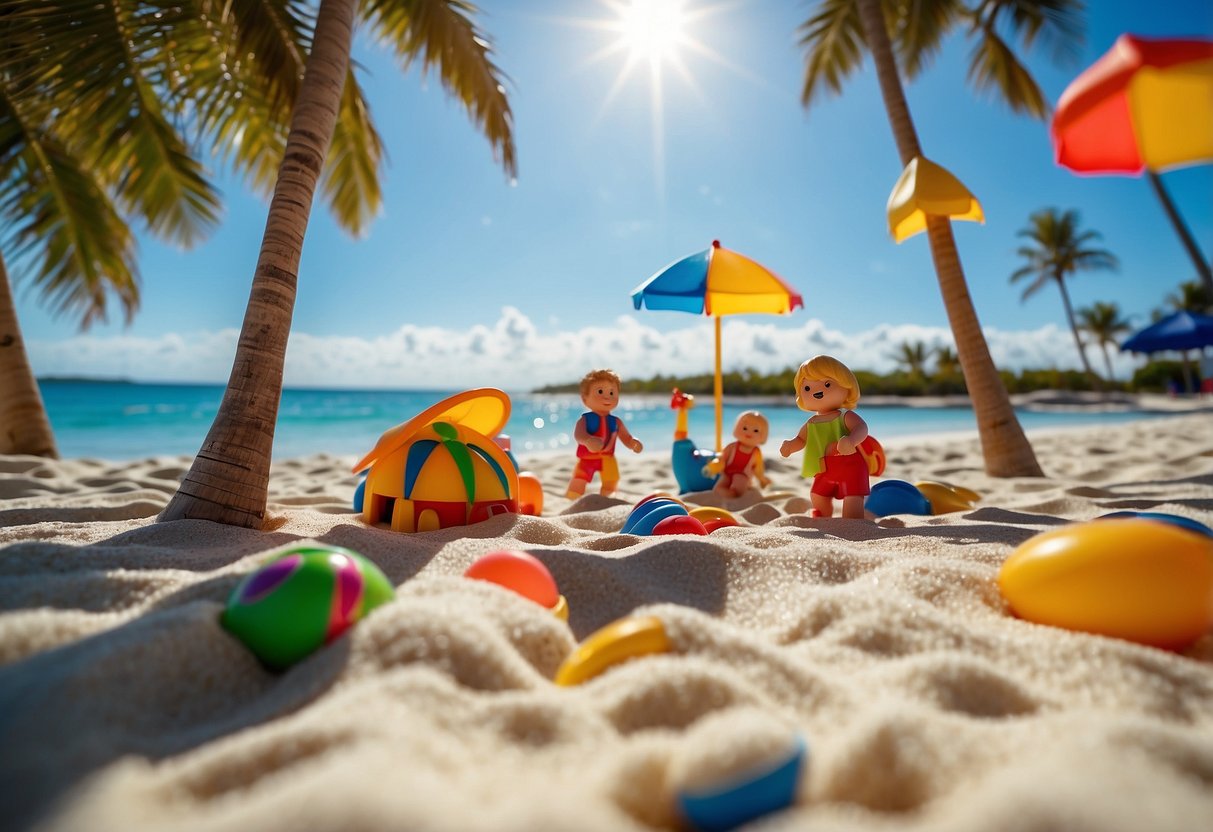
[(912, 357), (835, 39), (229, 478), (1102, 322), (1058, 251)]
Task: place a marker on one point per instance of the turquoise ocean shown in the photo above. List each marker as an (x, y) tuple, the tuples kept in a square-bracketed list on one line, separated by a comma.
[(125, 421)]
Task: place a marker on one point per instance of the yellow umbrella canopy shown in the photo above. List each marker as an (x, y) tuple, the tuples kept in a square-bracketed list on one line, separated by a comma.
[(927, 189)]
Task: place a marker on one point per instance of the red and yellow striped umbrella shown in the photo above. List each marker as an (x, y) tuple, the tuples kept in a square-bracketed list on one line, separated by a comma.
[(1145, 105)]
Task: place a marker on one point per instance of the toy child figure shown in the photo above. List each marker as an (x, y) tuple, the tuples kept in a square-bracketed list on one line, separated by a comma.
[(830, 438), (741, 462), (596, 432)]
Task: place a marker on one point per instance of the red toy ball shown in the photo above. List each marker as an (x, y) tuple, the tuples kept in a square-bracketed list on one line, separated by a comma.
[(519, 571), (680, 524), (719, 523)]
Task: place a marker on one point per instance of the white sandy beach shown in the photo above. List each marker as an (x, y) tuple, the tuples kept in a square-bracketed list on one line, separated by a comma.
[(926, 705)]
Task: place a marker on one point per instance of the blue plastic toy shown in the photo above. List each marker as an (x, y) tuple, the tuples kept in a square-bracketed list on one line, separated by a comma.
[(1174, 519), (746, 798), (648, 513), (896, 497), (687, 460)]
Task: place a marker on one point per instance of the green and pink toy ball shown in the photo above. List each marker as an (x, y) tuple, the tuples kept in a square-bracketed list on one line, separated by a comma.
[(301, 600)]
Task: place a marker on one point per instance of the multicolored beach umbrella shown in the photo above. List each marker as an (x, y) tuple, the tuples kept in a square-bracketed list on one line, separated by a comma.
[(1145, 106), (717, 282)]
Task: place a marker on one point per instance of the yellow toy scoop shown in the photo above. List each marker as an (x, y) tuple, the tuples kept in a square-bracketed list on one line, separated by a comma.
[(614, 644)]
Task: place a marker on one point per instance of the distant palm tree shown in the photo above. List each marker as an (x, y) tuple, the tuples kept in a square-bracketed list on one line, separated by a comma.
[(1059, 251), (912, 357), (947, 364), (229, 479), (1102, 322), (835, 39), (1191, 297)]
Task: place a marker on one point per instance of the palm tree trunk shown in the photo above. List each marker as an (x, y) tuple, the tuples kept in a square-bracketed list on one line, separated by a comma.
[(229, 479), (1107, 360), (24, 427), (1082, 349), (1004, 446), (1181, 228)]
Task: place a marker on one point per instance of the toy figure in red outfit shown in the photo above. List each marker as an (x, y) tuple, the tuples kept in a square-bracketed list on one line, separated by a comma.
[(596, 432), (830, 439), (740, 463)]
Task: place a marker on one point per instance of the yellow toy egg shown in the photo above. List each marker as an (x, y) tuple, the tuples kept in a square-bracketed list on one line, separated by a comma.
[(1135, 579)]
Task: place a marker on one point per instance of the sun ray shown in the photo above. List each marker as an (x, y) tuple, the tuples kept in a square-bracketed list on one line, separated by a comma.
[(657, 34)]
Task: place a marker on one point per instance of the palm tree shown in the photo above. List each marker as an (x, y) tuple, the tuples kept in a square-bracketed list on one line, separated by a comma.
[(947, 368), (835, 39), (229, 478), (78, 161), (1102, 322), (1192, 296), (101, 105), (912, 357), (1058, 252)]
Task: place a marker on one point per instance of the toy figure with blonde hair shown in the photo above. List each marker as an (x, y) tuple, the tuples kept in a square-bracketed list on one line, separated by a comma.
[(740, 463), (830, 439), (596, 432)]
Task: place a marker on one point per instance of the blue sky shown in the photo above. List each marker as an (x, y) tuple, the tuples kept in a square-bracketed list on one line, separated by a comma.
[(467, 278)]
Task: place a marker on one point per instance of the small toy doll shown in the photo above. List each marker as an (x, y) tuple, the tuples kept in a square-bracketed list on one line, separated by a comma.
[(596, 432), (740, 463), (830, 438)]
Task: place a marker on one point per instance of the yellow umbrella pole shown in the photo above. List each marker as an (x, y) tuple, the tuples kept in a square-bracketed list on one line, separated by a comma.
[(719, 386)]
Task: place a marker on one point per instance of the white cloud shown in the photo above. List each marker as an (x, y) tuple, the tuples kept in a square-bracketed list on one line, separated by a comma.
[(513, 353)]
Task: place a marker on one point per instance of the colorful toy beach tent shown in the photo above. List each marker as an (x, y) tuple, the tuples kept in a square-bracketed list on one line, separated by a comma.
[(717, 282), (442, 468), (1145, 106), (925, 189)]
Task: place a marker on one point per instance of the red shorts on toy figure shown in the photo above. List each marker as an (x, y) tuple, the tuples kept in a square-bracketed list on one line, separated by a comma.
[(596, 433), (831, 438)]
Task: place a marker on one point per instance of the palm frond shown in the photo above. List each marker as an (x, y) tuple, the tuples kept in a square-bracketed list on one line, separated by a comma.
[(442, 35), (1057, 23), (101, 82), (919, 30), (56, 220), (994, 67), (834, 46), (351, 177)]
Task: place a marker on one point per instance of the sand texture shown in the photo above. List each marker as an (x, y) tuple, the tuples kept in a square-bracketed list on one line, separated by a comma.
[(926, 705)]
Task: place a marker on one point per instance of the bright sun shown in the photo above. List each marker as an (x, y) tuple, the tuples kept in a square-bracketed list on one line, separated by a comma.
[(652, 29)]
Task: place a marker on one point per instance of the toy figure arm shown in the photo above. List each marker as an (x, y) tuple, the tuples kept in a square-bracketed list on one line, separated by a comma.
[(584, 437), (759, 469), (858, 431), (794, 444), (627, 439)]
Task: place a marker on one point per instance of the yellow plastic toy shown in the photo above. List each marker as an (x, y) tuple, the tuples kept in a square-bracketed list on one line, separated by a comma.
[(1135, 579), (627, 638), (945, 497), (442, 468), (926, 189)]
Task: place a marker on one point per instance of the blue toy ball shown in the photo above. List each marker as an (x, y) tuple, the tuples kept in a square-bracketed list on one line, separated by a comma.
[(1186, 523), (725, 808), (896, 497)]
